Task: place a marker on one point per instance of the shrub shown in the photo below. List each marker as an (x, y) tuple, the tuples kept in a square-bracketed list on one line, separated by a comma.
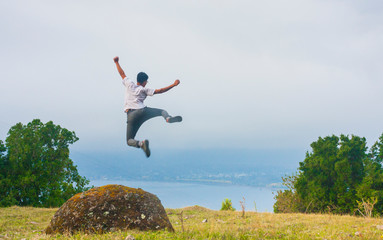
[(227, 205)]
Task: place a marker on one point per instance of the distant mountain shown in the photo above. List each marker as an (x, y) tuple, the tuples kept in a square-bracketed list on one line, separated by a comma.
[(213, 166)]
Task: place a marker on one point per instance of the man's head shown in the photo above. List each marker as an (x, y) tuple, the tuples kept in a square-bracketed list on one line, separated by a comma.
[(142, 78)]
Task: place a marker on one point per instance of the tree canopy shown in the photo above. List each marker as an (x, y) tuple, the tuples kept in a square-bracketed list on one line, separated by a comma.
[(35, 168), (337, 175)]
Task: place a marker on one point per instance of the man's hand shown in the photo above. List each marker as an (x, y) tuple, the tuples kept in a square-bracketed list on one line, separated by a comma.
[(165, 89), (119, 69)]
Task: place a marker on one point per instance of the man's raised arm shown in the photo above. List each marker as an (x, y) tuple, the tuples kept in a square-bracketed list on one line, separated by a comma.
[(120, 71), (165, 89)]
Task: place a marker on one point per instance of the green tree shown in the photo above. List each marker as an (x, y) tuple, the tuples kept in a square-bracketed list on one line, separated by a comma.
[(349, 170), (372, 184), (337, 175), (328, 179), (37, 170), (5, 183), (331, 173), (315, 185)]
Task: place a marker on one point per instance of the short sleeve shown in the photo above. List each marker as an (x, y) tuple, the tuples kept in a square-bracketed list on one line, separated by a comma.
[(126, 81), (149, 91)]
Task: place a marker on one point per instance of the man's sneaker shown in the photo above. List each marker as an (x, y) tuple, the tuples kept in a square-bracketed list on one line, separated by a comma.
[(145, 147), (174, 119)]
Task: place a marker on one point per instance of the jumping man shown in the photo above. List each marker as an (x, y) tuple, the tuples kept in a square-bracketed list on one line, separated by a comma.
[(137, 112)]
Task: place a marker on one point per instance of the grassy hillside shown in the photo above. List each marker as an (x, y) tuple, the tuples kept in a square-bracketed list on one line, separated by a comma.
[(27, 223)]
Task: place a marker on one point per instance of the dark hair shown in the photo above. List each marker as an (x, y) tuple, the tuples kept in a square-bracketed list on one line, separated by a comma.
[(142, 77)]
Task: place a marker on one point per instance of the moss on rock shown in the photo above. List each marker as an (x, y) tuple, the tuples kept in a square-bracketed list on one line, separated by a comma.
[(110, 208)]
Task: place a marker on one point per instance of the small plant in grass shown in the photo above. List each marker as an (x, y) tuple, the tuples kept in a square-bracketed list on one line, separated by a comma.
[(182, 220), (366, 207), (227, 205), (243, 206)]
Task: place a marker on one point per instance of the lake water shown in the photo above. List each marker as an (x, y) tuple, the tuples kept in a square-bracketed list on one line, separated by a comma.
[(179, 195)]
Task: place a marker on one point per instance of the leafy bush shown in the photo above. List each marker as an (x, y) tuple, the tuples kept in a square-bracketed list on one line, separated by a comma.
[(288, 201), (226, 205)]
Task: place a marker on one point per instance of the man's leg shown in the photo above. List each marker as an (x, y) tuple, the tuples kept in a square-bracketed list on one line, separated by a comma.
[(155, 112), (134, 122), (137, 117)]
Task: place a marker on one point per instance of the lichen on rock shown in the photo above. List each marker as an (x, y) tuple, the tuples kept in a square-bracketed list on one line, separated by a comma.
[(110, 208)]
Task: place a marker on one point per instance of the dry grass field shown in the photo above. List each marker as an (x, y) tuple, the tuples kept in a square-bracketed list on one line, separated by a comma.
[(201, 223)]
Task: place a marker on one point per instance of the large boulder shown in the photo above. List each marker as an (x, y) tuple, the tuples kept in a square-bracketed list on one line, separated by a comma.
[(110, 208)]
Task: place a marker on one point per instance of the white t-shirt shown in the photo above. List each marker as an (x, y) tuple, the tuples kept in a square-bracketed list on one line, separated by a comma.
[(135, 94)]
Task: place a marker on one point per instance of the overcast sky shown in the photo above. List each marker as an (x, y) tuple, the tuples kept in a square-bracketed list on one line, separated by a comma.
[(254, 74)]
